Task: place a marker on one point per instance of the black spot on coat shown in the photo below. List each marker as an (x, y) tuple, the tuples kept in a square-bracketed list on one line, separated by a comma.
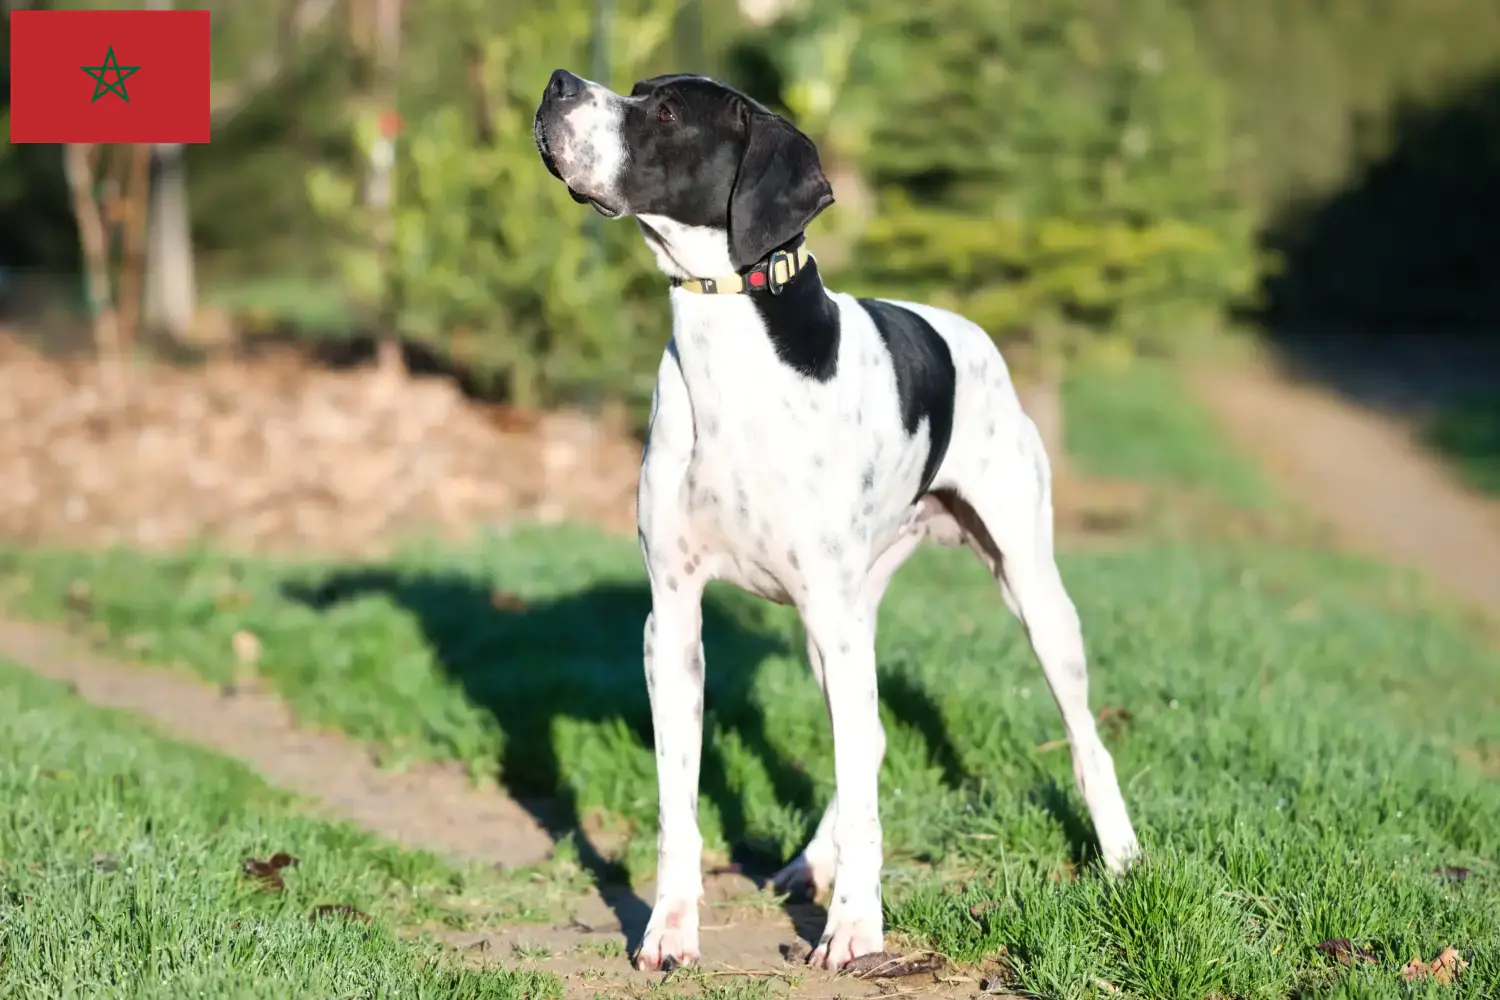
[(926, 379), (803, 324)]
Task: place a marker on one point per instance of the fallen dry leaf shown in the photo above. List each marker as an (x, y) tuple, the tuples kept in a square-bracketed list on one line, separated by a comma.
[(1415, 969), (337, 910), (504, 600), (1114, 719), (285, 449), (1451, 873), (265, 874), (1447, 966), (268, 872), (1346, 951), (980, 911), (889, 965)]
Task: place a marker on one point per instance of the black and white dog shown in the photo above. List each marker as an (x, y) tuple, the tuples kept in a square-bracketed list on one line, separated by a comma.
[(802, 444)]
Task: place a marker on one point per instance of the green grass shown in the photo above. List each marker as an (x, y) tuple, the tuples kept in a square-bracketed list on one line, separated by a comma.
[(120, 875), (1467, 434), (1295, 753), (1137, 421), (313, 308)]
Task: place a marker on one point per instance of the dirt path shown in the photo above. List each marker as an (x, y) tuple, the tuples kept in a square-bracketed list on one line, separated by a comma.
[(432, 807), (1360, 472), (439, 809)]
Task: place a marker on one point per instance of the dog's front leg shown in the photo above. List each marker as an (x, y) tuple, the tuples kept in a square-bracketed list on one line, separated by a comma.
[(845, 636), (674, 680), (673, 649)]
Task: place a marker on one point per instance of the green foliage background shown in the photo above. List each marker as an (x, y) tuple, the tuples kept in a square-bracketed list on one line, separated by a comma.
[(1057, 165), (1083, 171)]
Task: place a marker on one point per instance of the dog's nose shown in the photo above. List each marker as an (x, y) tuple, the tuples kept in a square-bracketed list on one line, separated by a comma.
[(564, 86)]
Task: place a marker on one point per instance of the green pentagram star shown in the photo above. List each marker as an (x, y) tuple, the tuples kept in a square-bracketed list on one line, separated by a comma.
[(111, 65)]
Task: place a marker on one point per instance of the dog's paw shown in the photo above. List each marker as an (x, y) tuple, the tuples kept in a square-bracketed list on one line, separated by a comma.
[(846, 938), (803, 879), (671, 937), (1120, 855)]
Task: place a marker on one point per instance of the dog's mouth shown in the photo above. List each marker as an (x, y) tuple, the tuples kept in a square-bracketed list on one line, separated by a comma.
[(599, 206), (539, 132)]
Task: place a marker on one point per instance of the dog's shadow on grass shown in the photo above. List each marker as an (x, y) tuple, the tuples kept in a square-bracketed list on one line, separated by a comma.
[(551, 672), (539, 667)]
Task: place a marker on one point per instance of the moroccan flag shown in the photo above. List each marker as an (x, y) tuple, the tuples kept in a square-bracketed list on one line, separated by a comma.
[(109, 76)]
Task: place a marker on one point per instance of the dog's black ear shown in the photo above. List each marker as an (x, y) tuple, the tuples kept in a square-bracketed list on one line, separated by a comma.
[(643, 87), (779, 189)]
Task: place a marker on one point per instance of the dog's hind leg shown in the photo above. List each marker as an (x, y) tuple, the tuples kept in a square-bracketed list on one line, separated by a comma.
[(811, 873), (1006, 511)]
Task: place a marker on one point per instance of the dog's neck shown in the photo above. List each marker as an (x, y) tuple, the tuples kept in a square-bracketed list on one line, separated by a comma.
[(686, 251), (698, 258), (726, 340)]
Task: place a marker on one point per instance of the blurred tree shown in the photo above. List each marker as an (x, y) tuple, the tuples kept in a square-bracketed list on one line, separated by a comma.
[(256, 47), (1413, 241), (1053, 167), (1314, 85), (171, 265), (380, 100), (492, 260)]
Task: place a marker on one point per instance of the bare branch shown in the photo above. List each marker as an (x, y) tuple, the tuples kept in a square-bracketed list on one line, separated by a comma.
[(78, 166)]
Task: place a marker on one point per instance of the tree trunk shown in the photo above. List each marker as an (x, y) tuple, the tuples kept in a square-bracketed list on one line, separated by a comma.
[(379, 195), (93, 241), (171, 284), (133, 262), (1038, 369), (1041, 398)]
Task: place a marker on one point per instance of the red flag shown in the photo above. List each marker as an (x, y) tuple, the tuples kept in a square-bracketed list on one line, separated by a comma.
[(109, 76)]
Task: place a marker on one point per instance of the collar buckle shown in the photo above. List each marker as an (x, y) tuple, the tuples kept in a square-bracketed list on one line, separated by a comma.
[(773, 284)]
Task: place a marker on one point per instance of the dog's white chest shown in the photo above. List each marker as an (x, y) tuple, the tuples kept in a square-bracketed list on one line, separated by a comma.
[(792, 482)]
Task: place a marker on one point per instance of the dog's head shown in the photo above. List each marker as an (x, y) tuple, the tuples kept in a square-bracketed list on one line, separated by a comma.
[(715, 180)]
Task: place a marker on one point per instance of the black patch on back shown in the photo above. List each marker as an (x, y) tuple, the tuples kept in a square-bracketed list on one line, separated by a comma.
[(803, 324), (926, 380)]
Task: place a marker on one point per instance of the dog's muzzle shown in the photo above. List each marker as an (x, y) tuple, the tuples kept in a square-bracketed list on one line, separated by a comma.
[(563, 90)]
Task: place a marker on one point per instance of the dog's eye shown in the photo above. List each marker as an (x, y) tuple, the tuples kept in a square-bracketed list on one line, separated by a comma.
[(664, 113)]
